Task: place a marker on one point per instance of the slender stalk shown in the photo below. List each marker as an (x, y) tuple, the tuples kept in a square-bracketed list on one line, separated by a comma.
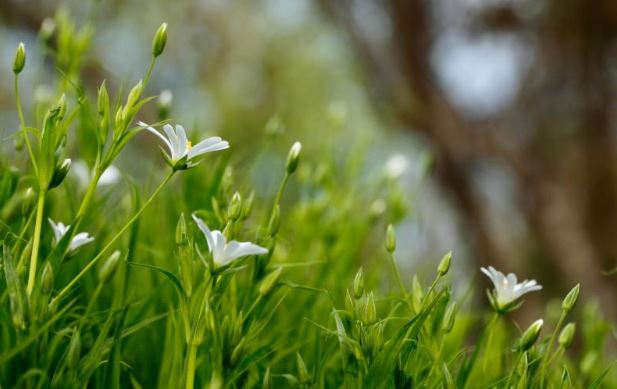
[(149, 73), (279, 194), (518, 360), (36, 243), (397, 274), (112, 241), (190, 366), (85, 203), (545, 357), (22, 123)]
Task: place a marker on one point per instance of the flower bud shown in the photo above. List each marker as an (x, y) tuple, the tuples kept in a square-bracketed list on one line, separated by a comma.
[(235, 207), (60, 173), (444, 265), (358, 284), (390, 239), (530, 335), (303, 373), (570, 301), (567, 335), (46, 32), (103, 100), (247, 205), (293, 157), (448, 318), (159, 41), (47, 279), (370, 310), (106, 272), (269, 281), (20, 58), (275, 221), (133, 97), (181, 235), (73, 353)]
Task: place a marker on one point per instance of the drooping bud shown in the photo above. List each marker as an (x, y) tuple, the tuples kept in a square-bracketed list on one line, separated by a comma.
[(567, 335), (390, 239), (444, 265), (106, 272), (570, 301), (293, 157), (60, 173), (20, 58), (358, 284), (235, 207), (269, 281), (275, 221), (530, 335), (448, 318), (159, 41), (47, 279)]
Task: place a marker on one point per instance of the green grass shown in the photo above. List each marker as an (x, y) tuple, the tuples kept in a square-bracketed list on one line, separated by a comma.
[(146, 305)]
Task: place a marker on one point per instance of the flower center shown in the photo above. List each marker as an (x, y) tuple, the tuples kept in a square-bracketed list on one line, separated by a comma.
[(189, 144)]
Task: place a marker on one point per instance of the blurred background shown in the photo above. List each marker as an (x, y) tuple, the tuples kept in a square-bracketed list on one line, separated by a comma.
[(497, 117)]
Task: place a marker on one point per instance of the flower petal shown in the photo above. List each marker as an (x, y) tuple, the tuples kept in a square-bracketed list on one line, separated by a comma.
[(158, 134), (206, 231)]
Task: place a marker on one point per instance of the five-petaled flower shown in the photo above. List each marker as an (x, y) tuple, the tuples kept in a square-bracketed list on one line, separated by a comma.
[(182, 154), (78, 240), (223, 252), (507, 289)]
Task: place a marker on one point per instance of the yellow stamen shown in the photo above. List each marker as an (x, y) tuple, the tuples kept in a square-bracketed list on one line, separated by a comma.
[(189, 144)]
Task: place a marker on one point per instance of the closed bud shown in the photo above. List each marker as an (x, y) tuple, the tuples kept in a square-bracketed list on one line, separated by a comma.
[(570, 301), (106, 272), (27, 201), (303, 373), (275, 220), (133, 97), (567, 335), (269, 281), (48, 27), (103, 100), (247, 205), (73, 353), (444, 265), (159, 41), (235, 207), (20, 58), (530, 335), (448, 318), (390, 239), (181, 235), (293, 157), (119, 118), (358, 284), (60, 173), (47, 279), (370, 310)]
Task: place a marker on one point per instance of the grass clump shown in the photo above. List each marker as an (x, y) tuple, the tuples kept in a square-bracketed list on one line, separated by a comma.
[(201, 281)]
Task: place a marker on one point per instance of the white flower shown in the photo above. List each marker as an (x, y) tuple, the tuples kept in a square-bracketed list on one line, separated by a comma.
[(507, 289), (223, 252), (181, 151), (396, 165), (78, 240)]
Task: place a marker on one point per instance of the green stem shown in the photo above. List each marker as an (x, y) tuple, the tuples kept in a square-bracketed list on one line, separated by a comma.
[(111, 242), (85, 203), (397, 274), (518, 360), (22, 123), (37, 240), (149, 73), (279, 194), (190, 366), (549, 346)]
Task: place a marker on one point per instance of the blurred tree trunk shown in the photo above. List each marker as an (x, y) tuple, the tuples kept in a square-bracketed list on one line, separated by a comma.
[(557, 137)]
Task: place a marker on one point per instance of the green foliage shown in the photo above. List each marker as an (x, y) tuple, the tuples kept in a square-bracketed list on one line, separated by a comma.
[(162, 309)]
